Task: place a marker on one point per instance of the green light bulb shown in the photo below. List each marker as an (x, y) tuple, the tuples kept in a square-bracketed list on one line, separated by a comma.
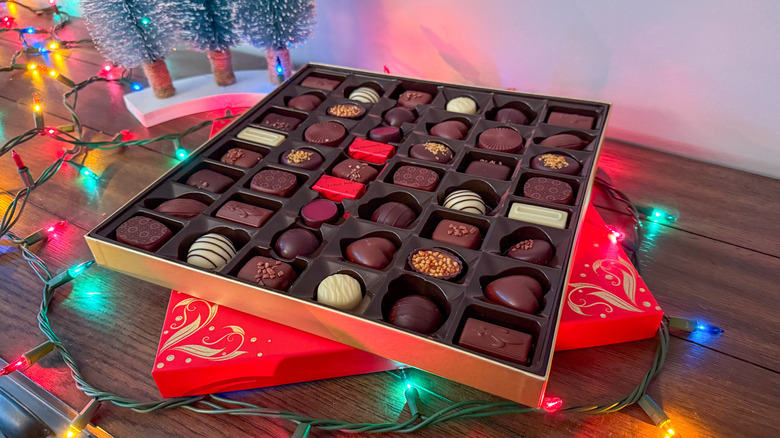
[(181, 154)]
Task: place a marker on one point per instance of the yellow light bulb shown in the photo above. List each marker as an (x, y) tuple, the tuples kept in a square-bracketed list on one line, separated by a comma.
[(53, 73), (37, 108), (72, 432), (31, 66), (53, 46)]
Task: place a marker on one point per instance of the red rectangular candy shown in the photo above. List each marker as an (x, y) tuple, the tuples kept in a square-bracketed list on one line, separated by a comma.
[(371, 151), (337, 189)]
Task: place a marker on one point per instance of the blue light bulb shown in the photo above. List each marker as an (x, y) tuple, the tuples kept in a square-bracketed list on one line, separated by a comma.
[(136, 86)]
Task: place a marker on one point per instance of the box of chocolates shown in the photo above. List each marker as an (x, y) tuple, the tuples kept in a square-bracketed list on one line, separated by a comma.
[(429, 223)]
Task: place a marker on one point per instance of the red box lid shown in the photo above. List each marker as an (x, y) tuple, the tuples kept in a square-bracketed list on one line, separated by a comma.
[(606, 300), (207, 348)]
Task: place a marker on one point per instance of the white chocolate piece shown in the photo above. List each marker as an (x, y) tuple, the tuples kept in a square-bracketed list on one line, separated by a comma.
[(340, 291), (211, 251), (538, 215), (463, 105), (261, 136), (364, 95), (465, 200)]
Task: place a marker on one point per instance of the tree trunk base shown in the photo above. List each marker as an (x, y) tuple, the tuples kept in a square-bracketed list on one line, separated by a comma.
[(283, 55), (160, 79), (222, 67)]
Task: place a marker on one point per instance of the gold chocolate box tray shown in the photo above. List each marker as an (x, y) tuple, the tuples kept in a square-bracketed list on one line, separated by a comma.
[(530, 161)]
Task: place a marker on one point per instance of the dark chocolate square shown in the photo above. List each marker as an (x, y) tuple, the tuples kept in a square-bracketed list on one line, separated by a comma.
[(496, 341), (210, 180), (246, 214), (280, 122), (268, 272), (457, 233), (488, 169), (570, 120), (354, 170), (241, 157), (320, 83)]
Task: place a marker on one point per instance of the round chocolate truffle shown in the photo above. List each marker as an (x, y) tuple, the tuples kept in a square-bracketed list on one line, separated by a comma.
[(548, 189), (318, 212), (394, 214), (564, 141), (432, 151), (305, 102), (451, 129), (518, 292), (144, 233), (386, 134), (304, 158), (274, 182), (536, 251), (501, 139), (465, 200), (416, 313), (462, 104), (346, 111), (364, 95), (556, 163), (372, 252), (297, 242), (511, 115), (340, 291), (182, 208), (211, 251), (325, 133), (435, 262), (399, 115)]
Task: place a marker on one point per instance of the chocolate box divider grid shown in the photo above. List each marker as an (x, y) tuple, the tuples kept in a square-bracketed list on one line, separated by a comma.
[(105, 252)]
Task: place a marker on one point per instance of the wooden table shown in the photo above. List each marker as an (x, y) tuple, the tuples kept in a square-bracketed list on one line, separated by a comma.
[(720, 262)]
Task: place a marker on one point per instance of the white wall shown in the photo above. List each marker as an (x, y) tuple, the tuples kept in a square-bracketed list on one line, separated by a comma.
[(698, 78)]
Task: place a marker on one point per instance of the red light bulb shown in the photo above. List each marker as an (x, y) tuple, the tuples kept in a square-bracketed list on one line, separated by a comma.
[(14, 366), (17, 160), (551, 404), (107, 67)]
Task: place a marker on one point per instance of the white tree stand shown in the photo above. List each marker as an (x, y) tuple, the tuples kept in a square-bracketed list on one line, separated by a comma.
[(198, 94)]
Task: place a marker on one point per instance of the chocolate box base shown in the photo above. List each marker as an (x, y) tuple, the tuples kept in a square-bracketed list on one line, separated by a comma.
[(207, 348), (366, 327)]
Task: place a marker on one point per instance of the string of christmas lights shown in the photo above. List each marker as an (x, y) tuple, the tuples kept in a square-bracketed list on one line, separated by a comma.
[(212, 404)]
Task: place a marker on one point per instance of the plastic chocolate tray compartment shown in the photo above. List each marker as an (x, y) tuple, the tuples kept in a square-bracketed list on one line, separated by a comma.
[(368, 325)]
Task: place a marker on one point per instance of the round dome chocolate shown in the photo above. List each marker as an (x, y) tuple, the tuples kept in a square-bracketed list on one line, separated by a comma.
[(303, 158), (416, 313), (536, 251), (432, 151), (372, 252), (305, 102), (451, 129), (394, 214), (297, 242), (556, 163), (517, 292), (399, 115)]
